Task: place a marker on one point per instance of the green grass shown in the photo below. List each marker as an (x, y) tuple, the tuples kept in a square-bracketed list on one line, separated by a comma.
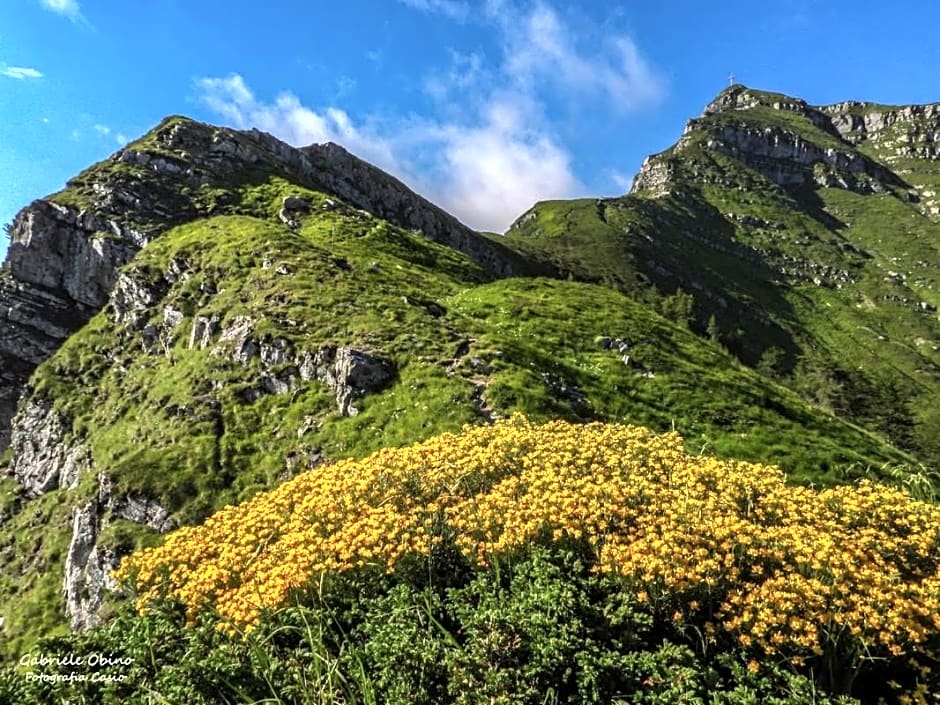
[(546, 331)]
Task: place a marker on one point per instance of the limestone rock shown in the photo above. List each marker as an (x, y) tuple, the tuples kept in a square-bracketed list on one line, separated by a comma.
[(350, 373), (60, 268), (287, 217), (172, 317), (87, 569), (203, 330), (371, 189), (87, 580), (130, 298), (138, 509), (236, 340), (44, 458)]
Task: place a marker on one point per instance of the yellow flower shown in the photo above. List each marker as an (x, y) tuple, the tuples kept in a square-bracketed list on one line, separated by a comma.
[(787, 567)]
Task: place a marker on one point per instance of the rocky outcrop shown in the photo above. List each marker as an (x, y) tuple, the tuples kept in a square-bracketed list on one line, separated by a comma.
[(59, 271), (74, 253), (131, 299), (740, 97), (293, 207), (88, 564), (912, 131), (656, 176), (87, 568), (44, 455), (792, 159), (135, 508), (788, 159), (203, 331), (348, 372)]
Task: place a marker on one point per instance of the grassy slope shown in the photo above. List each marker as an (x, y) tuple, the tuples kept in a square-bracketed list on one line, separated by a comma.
[(153, 420)]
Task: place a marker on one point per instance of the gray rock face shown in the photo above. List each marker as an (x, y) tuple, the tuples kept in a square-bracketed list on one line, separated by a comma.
[(87, 580), (79, 252), (130, 298), (348, 372), (43, 458), (655, 176), (295, 203), (787, 159), (86, 569), (59, 271), (138, 509), (236, 340), (203, 330), (912, 131)]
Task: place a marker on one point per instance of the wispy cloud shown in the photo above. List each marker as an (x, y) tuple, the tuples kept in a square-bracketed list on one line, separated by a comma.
[(106, 131), (19, 72), (466, 71), (451, 8), (621, 181), (67, 8), (540, 50), (292, 121), (491, 147)]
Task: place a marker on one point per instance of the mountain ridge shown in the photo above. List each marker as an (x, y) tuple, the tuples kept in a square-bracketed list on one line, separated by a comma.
[(210, 311)]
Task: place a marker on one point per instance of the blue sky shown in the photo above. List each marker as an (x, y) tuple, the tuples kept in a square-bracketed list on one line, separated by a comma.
[(484, 107)]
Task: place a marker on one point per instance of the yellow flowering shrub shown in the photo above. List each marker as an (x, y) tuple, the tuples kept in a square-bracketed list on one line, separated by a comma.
[(787, 572)]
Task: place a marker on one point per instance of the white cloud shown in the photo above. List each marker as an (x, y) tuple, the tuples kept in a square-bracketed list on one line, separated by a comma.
[(486, 174), (451, 8), (68, 8), (103, 130), (19, 72), (541, 50), (491, 150), (292, 121), (121, 139), (492, 173)]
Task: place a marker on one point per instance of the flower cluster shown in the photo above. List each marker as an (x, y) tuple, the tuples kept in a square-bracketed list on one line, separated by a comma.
[(786, 571)]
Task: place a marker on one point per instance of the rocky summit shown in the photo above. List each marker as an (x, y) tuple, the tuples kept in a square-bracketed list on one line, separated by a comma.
[(209, 312)]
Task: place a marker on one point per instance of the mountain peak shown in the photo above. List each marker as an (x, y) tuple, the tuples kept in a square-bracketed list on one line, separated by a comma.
[(741, 97)]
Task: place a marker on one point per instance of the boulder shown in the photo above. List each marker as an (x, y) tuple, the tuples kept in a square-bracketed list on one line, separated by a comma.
[(350, 373), (296, 203)]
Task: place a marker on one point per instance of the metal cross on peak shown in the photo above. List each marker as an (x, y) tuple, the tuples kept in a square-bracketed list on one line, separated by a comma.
[(730, 79)]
